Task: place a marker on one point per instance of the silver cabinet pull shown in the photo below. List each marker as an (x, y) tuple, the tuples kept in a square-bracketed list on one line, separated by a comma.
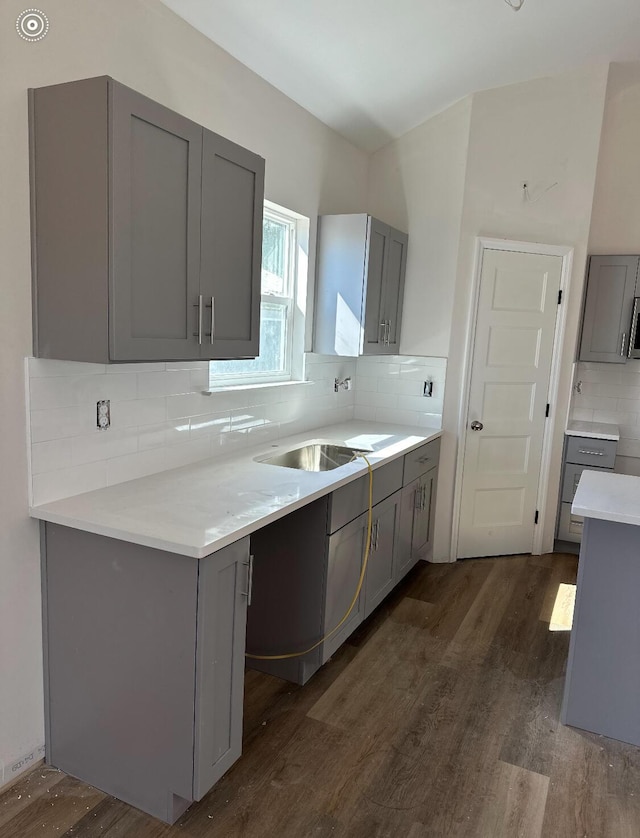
[(416, 499), (388, 332), (592, 453), (213, 318), (248, 593), (624, 339), (476, 426), (198, 305), (634, 327), (383, 326), (374, 535)]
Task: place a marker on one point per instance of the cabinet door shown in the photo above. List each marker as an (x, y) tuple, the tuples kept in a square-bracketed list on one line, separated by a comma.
[(155, 190), (424, 508), (405, 558), (607, 313), (375, 266), (344, 564), (221, 630), (232, 204), (394, 288), (379, 579)]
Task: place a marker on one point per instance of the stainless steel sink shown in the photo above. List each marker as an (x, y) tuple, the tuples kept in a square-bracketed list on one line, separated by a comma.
[(317, 456)]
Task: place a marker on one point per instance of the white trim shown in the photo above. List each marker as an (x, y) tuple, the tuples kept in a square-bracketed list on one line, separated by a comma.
[(566, 254)]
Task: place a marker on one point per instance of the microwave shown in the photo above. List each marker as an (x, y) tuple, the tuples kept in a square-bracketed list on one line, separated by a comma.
[(634, 337)]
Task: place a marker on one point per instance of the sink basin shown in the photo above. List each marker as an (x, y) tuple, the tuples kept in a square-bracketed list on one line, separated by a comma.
[(317, 456)]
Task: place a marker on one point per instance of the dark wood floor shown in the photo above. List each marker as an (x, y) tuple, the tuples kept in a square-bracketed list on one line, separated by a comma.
[(440, 717)]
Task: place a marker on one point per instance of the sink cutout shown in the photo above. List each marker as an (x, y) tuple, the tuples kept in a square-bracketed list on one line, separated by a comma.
[(317, 456)]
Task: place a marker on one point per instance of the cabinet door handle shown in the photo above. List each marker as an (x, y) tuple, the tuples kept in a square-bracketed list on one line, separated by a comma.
[(198, 305), (416, 497), (374, 535), (382, 326), (634, 328), (388, 332), (592, 453), (248, 593), (624, 340), (213, 317)]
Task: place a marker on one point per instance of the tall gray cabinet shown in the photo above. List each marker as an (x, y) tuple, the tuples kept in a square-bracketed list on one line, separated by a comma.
[(146, 229), (361, 266), (144, 666), (611, 287)]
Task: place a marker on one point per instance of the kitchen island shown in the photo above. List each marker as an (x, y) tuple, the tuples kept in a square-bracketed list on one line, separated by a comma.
[(602, 688)]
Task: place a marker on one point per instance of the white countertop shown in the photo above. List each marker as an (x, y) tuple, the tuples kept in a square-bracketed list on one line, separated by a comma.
[(200, 508), (608, 496), (593, 430)]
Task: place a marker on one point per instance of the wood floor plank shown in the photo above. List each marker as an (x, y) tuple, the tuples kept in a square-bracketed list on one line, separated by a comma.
[(438, 719), (472, 640), (515, 805), (29, 788), (57, 811)]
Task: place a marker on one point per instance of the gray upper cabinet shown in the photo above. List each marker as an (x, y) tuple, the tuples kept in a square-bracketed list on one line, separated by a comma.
[(361, 269), (146, 228), (154, 220), (611, 287), (232, 201)]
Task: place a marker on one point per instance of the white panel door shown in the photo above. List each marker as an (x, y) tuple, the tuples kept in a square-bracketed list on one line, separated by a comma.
[(511, 366)]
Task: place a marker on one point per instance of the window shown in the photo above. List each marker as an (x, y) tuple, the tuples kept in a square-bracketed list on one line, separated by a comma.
[(282, 307)]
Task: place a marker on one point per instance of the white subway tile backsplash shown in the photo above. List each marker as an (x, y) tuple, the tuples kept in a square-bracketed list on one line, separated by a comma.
[(102, 445), (62, 422), (65, 482), (611, 394), (166, 383), (50, 456), (138, 412), (398, 394), (161, 419)]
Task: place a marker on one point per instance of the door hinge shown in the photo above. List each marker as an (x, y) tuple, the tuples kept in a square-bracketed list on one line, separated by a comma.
[(535, 520), (559, 296), (547, 411)]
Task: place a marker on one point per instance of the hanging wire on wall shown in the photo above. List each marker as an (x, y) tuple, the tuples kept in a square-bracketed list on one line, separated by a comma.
[(516, 5)]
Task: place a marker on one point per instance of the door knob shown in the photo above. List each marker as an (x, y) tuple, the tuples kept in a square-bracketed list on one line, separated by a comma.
[(476, 426)]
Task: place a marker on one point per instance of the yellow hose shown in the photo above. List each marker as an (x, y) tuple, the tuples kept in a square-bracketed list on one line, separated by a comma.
[(355, 596)]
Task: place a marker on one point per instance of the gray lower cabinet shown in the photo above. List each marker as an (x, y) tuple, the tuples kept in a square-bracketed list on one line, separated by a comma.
[(361, 268), (146, 230), (416, 522), (307, 565), (144, 666), (611, 287), (580, 453)]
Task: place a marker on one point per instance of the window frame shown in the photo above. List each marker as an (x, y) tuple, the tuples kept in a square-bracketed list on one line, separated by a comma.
[(294, 302)]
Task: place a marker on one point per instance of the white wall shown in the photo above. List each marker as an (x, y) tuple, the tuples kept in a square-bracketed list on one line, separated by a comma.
[(417, 184), (141, 43), (615, 225)]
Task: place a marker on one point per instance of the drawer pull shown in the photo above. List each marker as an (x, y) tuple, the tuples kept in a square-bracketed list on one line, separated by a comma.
[(592, 453), (249, 592), (424, 459)]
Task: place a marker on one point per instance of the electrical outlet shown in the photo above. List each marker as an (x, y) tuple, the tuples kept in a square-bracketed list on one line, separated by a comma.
[(103, 414), (427, 389)]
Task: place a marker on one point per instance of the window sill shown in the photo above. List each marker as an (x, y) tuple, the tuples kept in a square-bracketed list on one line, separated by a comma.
[(262, 385)]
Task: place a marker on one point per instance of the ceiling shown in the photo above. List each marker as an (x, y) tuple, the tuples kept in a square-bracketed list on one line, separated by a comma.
[(374, 69)]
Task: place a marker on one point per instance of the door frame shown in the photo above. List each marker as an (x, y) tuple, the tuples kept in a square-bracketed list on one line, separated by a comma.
[(539, 249)]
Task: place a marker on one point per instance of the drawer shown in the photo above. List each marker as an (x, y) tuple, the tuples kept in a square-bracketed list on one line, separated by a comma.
[(352, 500), (571, 478), (591, 452), (421, 460), (569, 525)]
